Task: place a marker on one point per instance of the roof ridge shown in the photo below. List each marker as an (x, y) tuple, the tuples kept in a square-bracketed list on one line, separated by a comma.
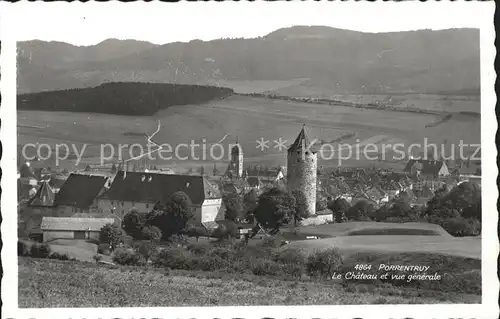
[(302, 137)]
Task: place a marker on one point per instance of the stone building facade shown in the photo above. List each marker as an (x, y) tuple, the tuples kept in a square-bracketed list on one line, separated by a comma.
[(235, 169), (302, 166)]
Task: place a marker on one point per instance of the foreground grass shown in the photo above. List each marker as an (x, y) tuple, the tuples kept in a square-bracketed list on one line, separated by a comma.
[(51, 283)]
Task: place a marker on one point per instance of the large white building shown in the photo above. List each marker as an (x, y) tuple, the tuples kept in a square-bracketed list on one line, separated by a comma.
[(142, 190)]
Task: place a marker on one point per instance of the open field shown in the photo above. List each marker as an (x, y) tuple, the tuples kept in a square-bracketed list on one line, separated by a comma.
[(464, 247), (353, 237), (259, 86), (49, 283), (248, 119), (435, 102), (346, 229), (78, 249)]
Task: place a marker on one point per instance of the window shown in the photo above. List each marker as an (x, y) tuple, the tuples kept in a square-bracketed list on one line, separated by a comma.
[(147, 205), (123, 204), (112, 203)]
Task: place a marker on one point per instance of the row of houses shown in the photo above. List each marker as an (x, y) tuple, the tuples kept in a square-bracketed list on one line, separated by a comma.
[(97, 196)]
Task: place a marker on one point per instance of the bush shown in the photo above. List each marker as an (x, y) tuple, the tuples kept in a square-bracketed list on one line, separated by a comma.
[(225, 231), (40, 251), (197, 232), (97, 257), (324, 263), (174, 258), (265, 267), (103, 249), (460, 227), (58, 256), (290, 256), (199, 249), (270, 242), (321, 205), (133, 224), (22, 249), (128, 257), (293, 270), (211, 263), (146, 249)]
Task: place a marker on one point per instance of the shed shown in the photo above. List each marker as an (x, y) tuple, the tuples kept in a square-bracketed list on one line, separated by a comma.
[(72, 228)]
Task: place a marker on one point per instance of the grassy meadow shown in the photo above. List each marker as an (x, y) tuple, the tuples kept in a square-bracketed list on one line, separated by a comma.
[(248, 120), (47, 283), (233, 274)]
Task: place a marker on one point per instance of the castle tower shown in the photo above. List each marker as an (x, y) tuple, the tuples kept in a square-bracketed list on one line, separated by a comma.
[(236, 164), (302, 166)]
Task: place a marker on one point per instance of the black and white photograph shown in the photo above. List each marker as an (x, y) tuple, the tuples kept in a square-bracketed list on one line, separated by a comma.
[(314, 155)]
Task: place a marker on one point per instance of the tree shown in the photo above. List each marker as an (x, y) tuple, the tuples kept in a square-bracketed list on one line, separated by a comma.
[(151, 233), (360, 211), (172, 217), (250, 200), (133, 223), (225, 231), (401, 207), (381, 214), (110, 234), (339, 207), (321, 205), (234, 206), (275, 208), (193, 231)]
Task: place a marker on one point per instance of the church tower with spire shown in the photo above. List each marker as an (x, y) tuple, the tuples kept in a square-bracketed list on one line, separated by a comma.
[(235, 168), (302, 167)]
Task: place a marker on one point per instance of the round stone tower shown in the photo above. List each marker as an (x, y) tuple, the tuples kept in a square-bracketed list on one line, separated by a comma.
[(302, 166)]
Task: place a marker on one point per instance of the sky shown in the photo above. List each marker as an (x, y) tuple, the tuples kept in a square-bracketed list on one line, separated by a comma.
[(160, 23)]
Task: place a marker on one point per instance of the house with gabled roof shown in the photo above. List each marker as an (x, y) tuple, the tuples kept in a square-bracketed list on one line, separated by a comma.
[(44, 197), (142, 190), (79, 194), (72, 228)]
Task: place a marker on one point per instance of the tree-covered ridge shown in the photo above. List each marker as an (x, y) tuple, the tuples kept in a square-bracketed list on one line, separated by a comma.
[(122, 98)]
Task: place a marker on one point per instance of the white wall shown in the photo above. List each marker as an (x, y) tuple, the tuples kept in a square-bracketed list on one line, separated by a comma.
[(210, 209), (317, 220), (207, 212), (122, 208), (57, 234), (67, 234)]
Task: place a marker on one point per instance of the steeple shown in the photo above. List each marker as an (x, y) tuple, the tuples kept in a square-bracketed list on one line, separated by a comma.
[(236, 150), (302, 139)]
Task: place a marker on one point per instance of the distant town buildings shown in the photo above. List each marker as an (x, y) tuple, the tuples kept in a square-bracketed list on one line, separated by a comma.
[(427, 168)]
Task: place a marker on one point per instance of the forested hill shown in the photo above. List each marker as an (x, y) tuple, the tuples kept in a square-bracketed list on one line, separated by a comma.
[(332, 59), (121, 98)]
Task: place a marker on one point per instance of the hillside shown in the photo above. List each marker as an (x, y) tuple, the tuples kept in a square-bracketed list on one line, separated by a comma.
[(331, 59), (121, 98)]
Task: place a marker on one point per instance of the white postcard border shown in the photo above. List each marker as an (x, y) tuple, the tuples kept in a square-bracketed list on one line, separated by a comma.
[(490, 248)]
